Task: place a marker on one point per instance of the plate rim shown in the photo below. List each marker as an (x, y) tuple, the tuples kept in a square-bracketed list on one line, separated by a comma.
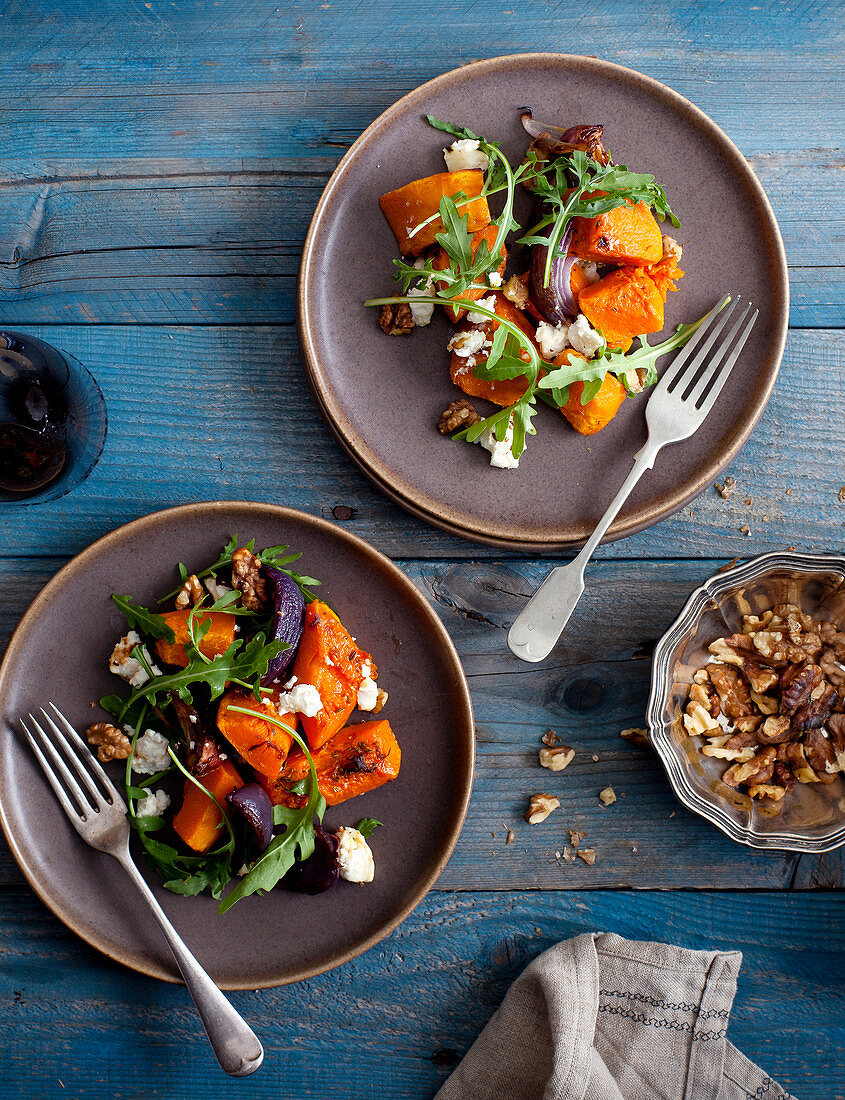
[(464, 727), (404, 493)]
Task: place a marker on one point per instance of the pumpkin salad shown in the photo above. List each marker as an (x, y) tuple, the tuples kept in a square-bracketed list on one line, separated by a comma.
[(554, 315), (236, 730)]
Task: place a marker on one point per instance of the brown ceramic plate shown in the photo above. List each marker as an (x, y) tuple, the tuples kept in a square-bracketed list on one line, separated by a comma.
[(59, 652), (382, 396)]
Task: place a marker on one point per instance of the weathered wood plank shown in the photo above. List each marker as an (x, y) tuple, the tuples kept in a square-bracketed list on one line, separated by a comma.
[(210, 413), (395, 1021), (202, 242), (269, 79), (595, 685)]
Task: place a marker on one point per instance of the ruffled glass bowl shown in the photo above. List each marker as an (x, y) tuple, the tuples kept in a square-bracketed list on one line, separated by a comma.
[(811, 818)]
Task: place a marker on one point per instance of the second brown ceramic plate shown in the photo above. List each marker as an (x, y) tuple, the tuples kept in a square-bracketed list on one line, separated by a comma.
[(60, 651), (382, 396)]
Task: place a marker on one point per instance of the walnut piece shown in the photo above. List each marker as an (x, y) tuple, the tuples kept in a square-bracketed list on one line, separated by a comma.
[(587, 854), (636, 736), (550, 738), (516, 290), (190, 593), (539, 808), (249, 580), (460, 414), (112, 743), (557, 759), (396, 320), (381, 699), (607, 797)]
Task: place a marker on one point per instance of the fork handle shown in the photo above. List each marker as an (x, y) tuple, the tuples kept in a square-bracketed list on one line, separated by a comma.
[(234, 1042), (538, 626)]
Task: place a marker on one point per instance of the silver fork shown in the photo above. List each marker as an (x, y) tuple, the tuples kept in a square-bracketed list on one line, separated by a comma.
[(98, 813), (676, 409)]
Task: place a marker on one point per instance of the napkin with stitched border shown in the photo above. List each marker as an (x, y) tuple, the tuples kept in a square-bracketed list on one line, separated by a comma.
[(599, 1017)]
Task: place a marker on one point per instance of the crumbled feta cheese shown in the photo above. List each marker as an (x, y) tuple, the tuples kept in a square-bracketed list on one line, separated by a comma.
[(366, 668), (494, 278), (464, 154), (354, 856), (583, 337), (468, 343), (422, 314), (303, 699), (215, 589), (501, 454), (367, 694), (590, 269), (129, 668), (150, 755), (153, 804), (476, 318), (551, 339)]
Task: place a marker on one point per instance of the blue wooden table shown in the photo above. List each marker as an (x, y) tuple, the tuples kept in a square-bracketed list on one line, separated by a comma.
[(160, 162)]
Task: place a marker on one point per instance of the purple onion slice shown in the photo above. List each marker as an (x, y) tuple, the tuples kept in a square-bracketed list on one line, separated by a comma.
[(288, 618), (254, 806), (555, 302), (320, 871)]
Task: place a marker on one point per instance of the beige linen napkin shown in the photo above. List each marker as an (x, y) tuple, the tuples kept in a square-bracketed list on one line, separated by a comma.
[(599, 1017)]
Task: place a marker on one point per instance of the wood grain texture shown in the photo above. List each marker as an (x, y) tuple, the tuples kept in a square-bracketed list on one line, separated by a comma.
[(394, 1022), (218, 242), (595, 685), (225, 413)]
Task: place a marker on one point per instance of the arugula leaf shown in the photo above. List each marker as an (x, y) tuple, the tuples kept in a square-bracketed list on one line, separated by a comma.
[(294, 845), (455, 238), (449, 128), (140, 618), (367, 826), (242, 665)]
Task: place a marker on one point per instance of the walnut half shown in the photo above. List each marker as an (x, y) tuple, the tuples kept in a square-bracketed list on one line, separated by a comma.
[(396, 320), (460, 414), (249, 580), (112, 743)]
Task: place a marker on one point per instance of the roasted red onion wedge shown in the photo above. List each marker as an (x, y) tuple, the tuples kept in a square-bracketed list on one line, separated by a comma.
[(555, 302), (320, 870), (253, 804), (288, 617), (554, 141)]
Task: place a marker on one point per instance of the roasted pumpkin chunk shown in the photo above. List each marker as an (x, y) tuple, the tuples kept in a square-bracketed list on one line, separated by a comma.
[(624, 235), (409, 206), (217, 640), (199, 820), (262, 744)]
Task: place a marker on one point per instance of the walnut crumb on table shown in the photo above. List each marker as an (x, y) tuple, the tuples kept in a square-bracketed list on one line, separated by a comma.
[(550, 738), (726, 488), (587, 854), (539, 808), (556, 759), (636, 735), (608, 796)]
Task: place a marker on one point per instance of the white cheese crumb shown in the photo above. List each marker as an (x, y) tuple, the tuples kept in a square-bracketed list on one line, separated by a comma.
[(150, 755), (551, 338), (590, 269), (494, 278), (215, 589), (501, 455), (422, 314), (354, 857), (584, 338), (303, 699), (367, 694), (465, 154), (129, 668), (153, 804), (476, 318), (467, 343)]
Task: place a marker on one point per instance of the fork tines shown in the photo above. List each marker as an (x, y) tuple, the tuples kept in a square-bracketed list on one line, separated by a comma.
[(682, 378), (88, 771)]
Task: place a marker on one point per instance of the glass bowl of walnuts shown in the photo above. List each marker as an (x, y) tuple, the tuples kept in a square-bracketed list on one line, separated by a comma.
[(747, 704)]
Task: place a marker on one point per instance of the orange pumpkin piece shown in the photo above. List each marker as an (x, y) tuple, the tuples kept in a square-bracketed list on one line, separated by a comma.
[(261, 743), (626, 235), (622, 305), (412, 204), (329, 659), (356, 760), (220, 635), (199, 820), (596, 414), (578, 279), (440, 260), (664, 273), (507, 390)]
